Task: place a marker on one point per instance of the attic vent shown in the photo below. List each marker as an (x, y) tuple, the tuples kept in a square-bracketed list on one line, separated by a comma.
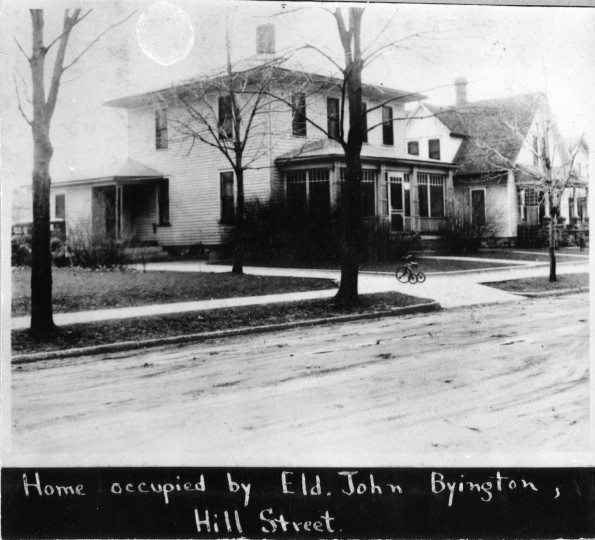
[(265, 39)]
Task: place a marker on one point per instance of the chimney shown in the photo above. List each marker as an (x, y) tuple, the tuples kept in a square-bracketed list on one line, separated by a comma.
[(265, 39), (461, 91)]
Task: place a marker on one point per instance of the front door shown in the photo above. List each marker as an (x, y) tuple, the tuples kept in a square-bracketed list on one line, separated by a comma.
[(399, 197)]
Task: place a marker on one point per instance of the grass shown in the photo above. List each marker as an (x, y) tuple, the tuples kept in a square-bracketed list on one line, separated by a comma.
[(83, 335), (433, 266), (81, 290), (542, 284)]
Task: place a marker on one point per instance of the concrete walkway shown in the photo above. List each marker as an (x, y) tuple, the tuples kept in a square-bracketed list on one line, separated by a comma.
[(451, 290)]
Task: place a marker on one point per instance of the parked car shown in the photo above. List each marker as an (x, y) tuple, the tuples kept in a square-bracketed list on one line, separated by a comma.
[(21, 240)]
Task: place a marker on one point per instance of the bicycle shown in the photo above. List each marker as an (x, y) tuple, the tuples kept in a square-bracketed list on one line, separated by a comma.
[(408, 273)]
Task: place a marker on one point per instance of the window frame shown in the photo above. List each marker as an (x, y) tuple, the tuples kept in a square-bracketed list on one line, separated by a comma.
[(333, 121), (388, 134), (224, 218), (163, 203), (485, 197), (225, 117), (309, 176), (424, 181), (299, 115), (63, 196), (436, 141), (409, 152), (161, 132)]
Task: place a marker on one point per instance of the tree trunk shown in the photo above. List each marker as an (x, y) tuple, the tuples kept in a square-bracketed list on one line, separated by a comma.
[(238, 244), (351, 221), (552, 249), (42, 322)]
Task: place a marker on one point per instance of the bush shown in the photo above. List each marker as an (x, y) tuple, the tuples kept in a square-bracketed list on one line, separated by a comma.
[(384, 245), (87, 249), (270, 234), (460, 232)]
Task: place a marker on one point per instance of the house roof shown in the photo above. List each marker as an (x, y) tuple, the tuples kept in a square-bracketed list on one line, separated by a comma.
[(130, 171), (247, 69), (494, 130), (329, 149)]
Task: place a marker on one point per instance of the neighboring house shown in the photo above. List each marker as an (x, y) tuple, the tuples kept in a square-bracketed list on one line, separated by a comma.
[(175, 192), (500, 147)]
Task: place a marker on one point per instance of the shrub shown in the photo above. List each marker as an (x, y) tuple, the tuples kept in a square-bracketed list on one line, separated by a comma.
[(460, 232), (87, 249), (386, 245)]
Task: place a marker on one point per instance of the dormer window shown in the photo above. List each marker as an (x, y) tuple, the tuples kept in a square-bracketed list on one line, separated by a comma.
[(434, 148), (161, 129), (413, 148), (225, 121)]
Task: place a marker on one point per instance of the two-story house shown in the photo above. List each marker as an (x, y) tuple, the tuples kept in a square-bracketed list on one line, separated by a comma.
[(500, 148), (174, 191)]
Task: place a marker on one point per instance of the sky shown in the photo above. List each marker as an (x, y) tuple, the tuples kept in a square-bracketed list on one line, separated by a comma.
[(501, 51)]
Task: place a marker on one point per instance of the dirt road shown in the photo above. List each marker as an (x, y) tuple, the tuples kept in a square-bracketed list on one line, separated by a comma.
[(502, 378)]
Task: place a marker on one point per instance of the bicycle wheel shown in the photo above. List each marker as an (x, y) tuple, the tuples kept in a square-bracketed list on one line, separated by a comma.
[(402, 274), (412, 278), (421, 277)]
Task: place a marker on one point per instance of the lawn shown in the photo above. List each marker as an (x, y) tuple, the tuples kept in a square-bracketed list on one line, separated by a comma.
[(80, 290), (433, 266), (542, 284), (82, 335)]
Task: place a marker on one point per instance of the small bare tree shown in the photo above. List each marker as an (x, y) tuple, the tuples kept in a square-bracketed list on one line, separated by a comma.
[(229, 112), (44, 105), (553, 163)]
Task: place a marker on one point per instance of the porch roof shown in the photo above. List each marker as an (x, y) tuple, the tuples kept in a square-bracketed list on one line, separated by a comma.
[(330, 150), (130, 172)]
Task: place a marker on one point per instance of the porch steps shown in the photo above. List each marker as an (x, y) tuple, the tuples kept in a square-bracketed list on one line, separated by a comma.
[(146, 253)]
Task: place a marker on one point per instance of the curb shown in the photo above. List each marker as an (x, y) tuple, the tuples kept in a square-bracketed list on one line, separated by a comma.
[(174, 340), (559, 292)]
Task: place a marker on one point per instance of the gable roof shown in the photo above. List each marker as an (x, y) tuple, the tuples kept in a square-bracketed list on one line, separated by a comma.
[(247, 70), (494, 130)]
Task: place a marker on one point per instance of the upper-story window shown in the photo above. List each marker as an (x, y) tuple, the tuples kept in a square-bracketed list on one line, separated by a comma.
[(225, 120), (161, 129), (298, 117), (332, 117), (227, 198), (535, 150), (365, 122), (413, 148), (388, 137), (60, 206), (434, 148)]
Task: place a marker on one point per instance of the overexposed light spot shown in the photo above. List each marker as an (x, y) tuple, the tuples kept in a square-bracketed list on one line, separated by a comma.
[(164, 33)]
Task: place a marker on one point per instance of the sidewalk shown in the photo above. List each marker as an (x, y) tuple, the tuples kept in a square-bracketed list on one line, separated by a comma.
[(455, 290)]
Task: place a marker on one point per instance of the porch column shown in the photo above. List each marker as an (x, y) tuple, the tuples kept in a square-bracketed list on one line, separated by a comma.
[(382, 199), (414, 195), (335, 185)]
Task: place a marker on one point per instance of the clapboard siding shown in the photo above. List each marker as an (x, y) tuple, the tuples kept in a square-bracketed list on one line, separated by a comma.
[(513, 205), (77, 206)]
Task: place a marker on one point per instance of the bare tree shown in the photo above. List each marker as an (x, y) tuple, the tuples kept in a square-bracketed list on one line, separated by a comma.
[(43, 106), (228, 112), (553, 163)]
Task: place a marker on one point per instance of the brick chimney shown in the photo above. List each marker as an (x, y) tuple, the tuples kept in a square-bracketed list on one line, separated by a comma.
[(461, 91), (265, 39)]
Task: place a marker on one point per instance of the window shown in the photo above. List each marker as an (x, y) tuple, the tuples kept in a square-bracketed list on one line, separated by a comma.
[(431, 195), (413, 148), (161, 129), (367, 191), (332, 117), (163, 202), (298, 118), (60, 207), (478, 206), (434, 148), (308, 194), (530, 207), (387, 126), (225, 123), (227, 199), (365, 122)]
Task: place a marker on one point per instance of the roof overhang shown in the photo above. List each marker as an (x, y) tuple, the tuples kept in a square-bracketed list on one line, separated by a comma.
[(332, 158)]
